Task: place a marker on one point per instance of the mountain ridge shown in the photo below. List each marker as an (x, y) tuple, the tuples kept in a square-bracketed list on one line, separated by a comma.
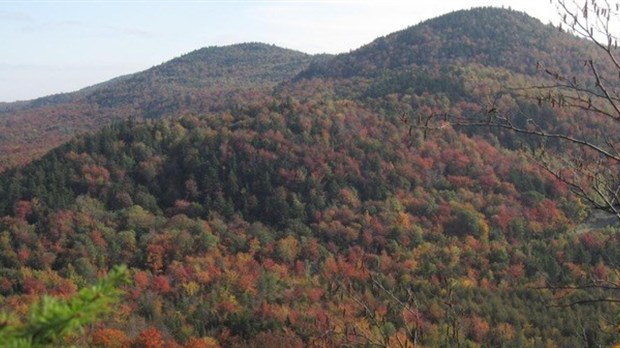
[(202, 54), (193, 84), (488, 35)]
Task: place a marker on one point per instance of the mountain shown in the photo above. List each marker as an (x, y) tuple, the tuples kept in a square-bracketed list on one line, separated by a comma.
[(491, 37), (430, 55), (297, 208), (230, 67), (244, 66), (200, 81)]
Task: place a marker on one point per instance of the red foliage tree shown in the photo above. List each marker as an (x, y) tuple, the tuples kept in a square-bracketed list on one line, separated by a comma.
[(161, 284), (149, 338), (109, 338)]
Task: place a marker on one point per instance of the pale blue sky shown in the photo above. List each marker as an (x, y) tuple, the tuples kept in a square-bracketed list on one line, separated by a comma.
[(50, 47)]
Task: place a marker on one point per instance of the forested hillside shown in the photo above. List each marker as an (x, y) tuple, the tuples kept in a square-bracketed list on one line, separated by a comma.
[(310, 213), (492, 37), (211, 78)]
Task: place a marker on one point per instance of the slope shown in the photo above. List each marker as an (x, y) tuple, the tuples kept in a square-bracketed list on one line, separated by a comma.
[(464, 64), (263, 224), (200, 81), (491, 37)]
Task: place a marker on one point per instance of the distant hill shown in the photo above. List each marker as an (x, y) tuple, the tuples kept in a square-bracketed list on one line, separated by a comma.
[(491, 37), (243, 66), (200, 81), (235, 66)]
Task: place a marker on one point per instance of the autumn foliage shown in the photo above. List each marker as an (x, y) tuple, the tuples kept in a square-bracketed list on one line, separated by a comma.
[(311, 214)]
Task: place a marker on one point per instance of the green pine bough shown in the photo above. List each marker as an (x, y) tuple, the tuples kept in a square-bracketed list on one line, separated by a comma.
[(53, 319)]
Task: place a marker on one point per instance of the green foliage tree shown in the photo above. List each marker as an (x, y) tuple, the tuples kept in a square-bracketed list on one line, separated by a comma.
[(52, 319)]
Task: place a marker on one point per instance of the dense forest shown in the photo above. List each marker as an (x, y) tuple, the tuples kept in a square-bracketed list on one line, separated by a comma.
[(285, 201)]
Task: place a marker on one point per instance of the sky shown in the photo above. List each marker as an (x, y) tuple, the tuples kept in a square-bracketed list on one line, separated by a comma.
[(49, 47)]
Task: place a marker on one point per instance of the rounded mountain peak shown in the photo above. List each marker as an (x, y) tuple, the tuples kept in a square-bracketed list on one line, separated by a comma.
[(488, 36)]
